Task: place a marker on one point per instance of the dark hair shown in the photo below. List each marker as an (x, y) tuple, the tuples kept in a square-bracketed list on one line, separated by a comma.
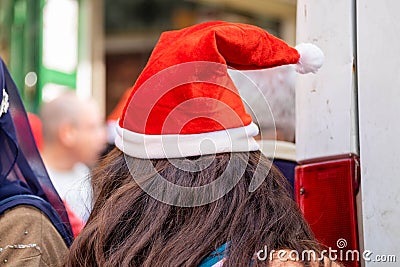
[(128, 227)]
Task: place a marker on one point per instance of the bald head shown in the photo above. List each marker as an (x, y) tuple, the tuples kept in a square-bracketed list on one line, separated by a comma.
[(73, 127), (61, 110)]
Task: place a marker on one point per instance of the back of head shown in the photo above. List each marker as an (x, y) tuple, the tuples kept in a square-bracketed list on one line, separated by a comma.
[(130, 226)]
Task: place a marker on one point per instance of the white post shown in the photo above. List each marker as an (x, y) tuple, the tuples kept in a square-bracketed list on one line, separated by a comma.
[(325, 102), (378, 43)]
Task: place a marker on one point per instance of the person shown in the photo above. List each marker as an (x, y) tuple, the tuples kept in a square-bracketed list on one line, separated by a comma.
[(36, 127), (74, 137), (186, 184), (270, 97), (34, 226)]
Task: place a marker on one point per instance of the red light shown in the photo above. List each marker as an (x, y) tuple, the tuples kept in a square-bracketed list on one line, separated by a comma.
[(325, 192)]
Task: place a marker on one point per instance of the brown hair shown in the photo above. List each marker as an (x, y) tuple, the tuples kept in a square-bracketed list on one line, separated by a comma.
[(128, 227)]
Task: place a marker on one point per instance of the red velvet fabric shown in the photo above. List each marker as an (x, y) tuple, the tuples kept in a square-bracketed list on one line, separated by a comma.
[(185, 87)]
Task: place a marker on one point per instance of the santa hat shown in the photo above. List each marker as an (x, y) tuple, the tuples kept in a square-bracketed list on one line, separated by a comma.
[(185, 104)]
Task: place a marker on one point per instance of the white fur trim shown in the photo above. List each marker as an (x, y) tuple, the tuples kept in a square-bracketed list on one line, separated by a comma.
[(311, 58), (185, 145)]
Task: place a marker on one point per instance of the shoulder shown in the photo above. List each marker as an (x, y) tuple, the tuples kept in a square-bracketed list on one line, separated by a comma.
[(28, 238), (81, 169), (278, 149)]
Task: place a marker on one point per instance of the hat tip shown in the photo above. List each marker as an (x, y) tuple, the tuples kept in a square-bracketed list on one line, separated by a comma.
[(311, 58)]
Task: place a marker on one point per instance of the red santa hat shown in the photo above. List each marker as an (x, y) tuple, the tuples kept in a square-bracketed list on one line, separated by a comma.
[(185, 104)]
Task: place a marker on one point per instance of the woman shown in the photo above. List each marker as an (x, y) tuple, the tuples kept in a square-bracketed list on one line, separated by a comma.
[(187, 184), (34, 226)]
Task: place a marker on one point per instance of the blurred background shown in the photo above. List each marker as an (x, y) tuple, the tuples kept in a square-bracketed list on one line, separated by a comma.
[(99, 47)]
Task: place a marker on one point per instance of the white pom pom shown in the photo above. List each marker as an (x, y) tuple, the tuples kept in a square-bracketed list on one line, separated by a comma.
[(311, 58)]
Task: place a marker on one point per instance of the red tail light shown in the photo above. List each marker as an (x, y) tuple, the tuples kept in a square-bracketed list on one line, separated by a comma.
[(325, 192)]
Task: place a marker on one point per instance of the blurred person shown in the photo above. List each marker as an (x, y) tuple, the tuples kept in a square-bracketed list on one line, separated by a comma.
[(186, 184), (74, 136), (34, 226), (270, 99), (36, 126)]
